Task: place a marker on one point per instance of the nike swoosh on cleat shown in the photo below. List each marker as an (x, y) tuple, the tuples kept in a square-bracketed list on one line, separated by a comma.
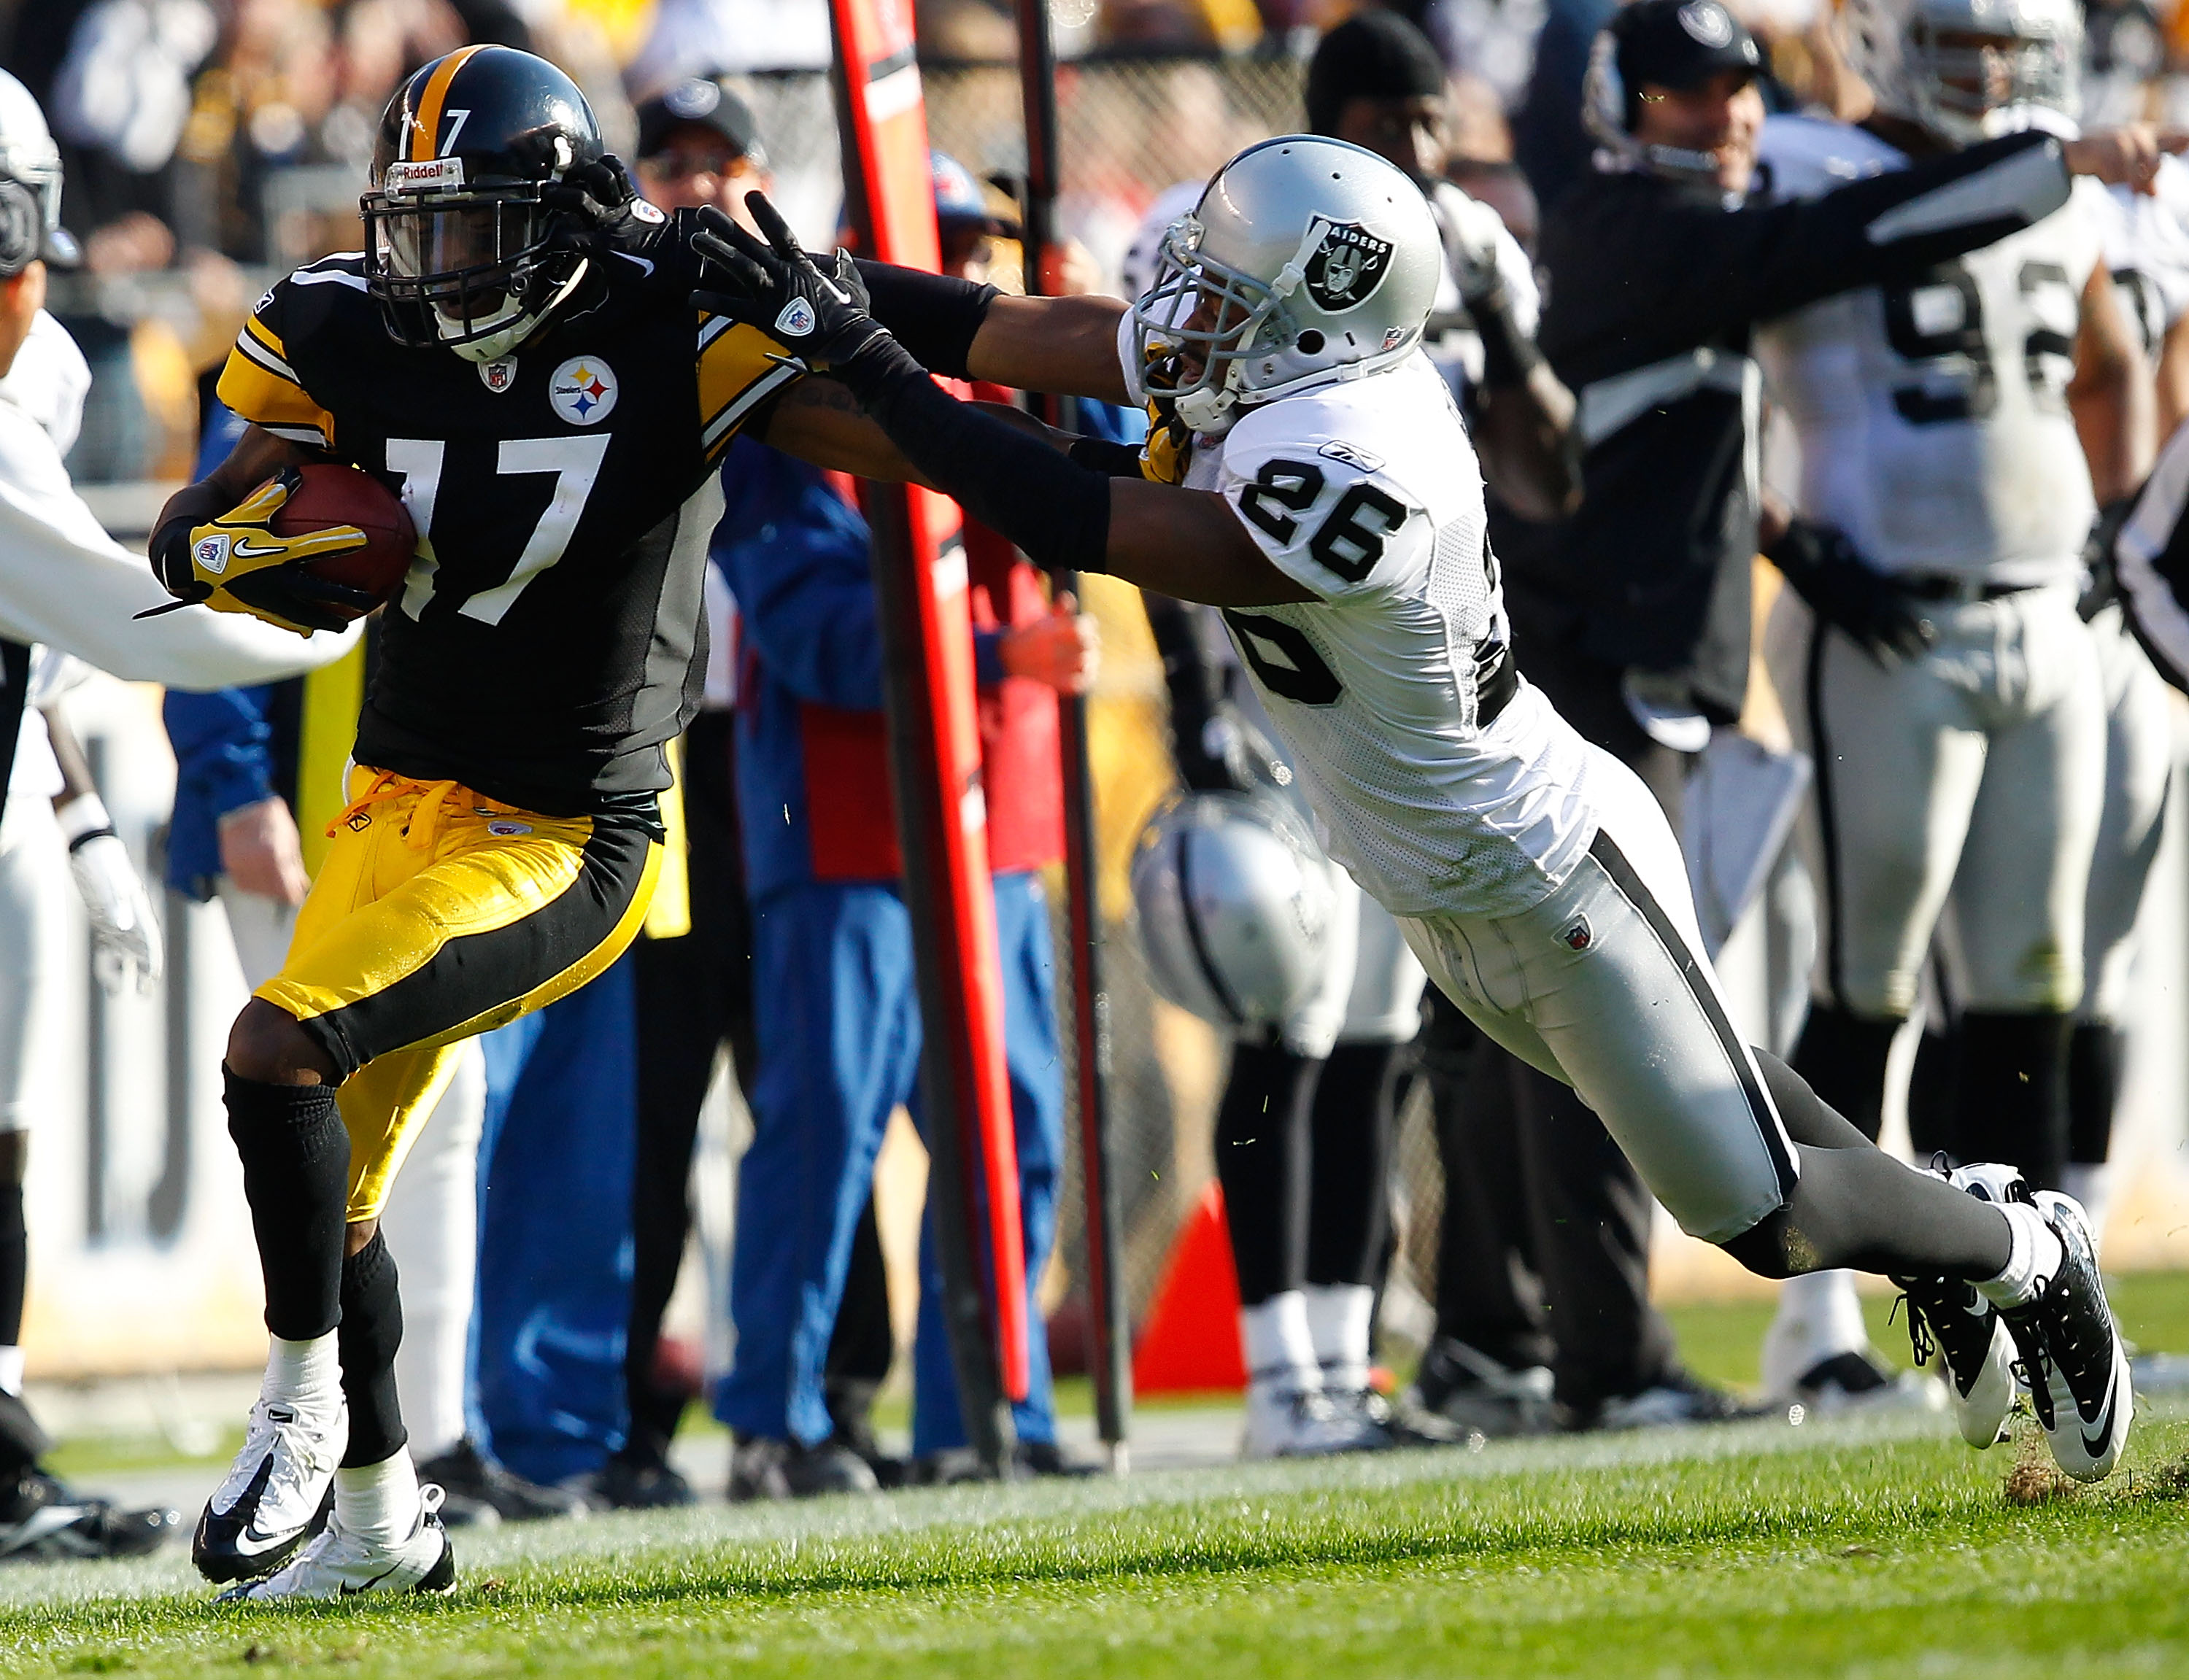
[(2104, 1424), (350, 1591)]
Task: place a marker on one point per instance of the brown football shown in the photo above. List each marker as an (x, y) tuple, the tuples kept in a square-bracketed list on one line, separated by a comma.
[(332, 495)]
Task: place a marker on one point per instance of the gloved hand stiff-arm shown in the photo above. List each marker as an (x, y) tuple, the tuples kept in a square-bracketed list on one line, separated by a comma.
[(1843, 588), (235, 563)]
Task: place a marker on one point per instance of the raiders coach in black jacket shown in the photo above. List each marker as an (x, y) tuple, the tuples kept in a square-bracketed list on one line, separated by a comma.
[(1657, 276)]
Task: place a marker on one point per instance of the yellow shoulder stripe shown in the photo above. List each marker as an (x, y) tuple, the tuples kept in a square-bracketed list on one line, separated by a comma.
[(739, 371), (262, 389)]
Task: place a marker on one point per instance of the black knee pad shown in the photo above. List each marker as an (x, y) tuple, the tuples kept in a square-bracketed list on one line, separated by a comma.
[(2096, 1051), (371, 1331), (1843, 1056), (296, 1177)]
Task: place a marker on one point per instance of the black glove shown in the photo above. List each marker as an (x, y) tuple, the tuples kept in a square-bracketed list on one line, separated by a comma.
[(605, 204), (1842, 588), (2098, 557), (819, 315)]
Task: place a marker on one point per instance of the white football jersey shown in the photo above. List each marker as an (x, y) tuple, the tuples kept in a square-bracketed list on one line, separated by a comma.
[(1932, 416), (1367, 492), (2147, 247)]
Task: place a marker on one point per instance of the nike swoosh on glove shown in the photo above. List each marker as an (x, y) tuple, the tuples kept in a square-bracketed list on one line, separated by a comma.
[(235, 563), (819, 315)]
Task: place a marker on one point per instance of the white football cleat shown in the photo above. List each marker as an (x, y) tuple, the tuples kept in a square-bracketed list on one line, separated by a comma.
[(1305, 1423), (276, 1495), (2072, 1354), (340, 1564)]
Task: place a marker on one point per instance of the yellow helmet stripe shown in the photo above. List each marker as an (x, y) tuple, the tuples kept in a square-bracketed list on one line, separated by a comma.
[(426, 126)]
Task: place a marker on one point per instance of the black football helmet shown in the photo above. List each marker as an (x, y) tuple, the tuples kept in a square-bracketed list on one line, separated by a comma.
[(488, 182)]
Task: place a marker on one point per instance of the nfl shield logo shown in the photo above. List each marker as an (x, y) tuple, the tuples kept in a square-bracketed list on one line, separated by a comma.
[(498, 376), (1347, 267), (1577, 934)]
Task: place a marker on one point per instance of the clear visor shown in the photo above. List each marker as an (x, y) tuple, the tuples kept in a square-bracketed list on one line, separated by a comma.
[(1969, 74), (1199, 316), (458, 257)]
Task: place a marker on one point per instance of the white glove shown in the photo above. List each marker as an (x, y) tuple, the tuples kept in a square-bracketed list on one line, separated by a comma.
[(1472, 242), (125, 934)]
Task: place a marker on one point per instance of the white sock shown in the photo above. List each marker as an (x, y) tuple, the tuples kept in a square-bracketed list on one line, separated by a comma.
[(2033, 1262), (11, 1370), (1338, 1318), (1279, 1346), (1824, 1314), (379, 1501), (306, 1375), (2091, 1183)]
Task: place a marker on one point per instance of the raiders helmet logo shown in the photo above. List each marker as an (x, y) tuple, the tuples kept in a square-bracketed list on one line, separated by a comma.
[(1348, 263), (1707, 22)]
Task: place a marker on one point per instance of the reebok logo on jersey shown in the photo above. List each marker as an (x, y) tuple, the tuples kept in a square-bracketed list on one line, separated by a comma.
[(797, 320), (1338, 449), (583, 391), (1348, 263), (210, 555)]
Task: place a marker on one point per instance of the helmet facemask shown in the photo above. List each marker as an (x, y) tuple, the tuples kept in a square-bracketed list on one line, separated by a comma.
[(1199, 318), (1961, 86), (476, 270)]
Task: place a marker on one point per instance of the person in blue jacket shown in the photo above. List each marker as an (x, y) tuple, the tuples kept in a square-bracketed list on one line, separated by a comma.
[(833, 987)]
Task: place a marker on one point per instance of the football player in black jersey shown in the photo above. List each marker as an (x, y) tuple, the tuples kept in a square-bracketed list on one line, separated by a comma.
[(516, 353)]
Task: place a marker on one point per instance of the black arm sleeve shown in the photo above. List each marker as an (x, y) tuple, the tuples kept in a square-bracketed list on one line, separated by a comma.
[(1640, 269), (1047, 505), (1196, 686), (933, 316)]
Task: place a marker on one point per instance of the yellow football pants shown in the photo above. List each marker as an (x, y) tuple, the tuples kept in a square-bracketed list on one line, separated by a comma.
[(439, 914)]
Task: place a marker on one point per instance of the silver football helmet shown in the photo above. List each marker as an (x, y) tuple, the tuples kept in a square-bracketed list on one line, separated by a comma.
[(1235, 900), (1961, 92), (30, 159), (1307, 261)]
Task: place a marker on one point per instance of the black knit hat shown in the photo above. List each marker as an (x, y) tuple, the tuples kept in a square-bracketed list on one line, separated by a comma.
[(1371, 55)]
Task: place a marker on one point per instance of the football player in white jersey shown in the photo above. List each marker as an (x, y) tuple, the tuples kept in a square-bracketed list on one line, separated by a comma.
[(62, 579), (1331, 505), (1953, 430)]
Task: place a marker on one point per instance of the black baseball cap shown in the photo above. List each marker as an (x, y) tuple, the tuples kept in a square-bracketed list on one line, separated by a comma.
[(705, 101), (1679, 44)]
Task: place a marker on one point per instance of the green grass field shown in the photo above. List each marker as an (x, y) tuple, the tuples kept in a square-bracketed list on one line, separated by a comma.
[(1878, 1548)]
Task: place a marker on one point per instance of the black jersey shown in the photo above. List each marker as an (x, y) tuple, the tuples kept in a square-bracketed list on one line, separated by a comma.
[(549, 640)]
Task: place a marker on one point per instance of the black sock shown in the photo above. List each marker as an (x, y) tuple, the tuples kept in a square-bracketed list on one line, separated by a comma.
[(15, 1265), (2095, 1052), (2012, 1103), (1262, 1161), (1843, 1056), (1854, 1205), (296, 1177), (1350, 1123), (1933, 1083), (371, 1330)]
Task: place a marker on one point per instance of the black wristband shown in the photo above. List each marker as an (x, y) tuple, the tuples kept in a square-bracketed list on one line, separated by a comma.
[(1111, 460), (169, 551), (934, 316), (90, 835), (1054, 508), (1508, 355)]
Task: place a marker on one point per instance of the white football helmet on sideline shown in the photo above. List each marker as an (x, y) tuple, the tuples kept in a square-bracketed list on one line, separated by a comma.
[(1307, 261), (1235, 900), (1907, 51), (29, 157)]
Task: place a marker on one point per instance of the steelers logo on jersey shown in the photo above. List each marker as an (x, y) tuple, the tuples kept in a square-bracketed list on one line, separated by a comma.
[(583, 391), (1348, 264)]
